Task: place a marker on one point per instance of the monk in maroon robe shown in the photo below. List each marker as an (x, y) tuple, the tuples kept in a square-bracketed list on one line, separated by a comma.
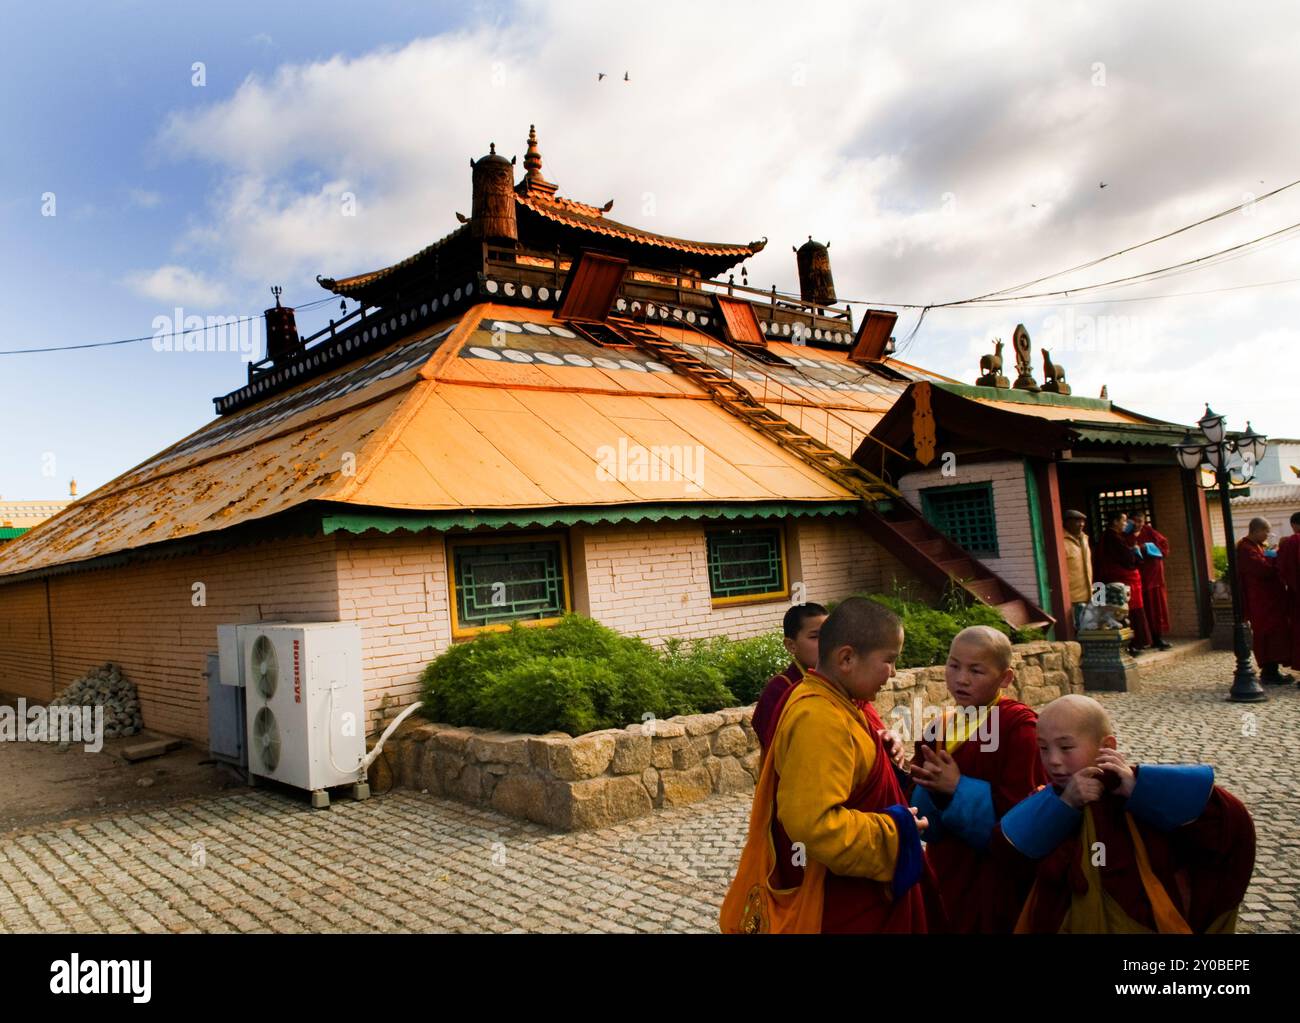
[(970, 780), (1116, 561), (1264, 604), (1177, 850), (801, 629), (1155, 601), (1288, 570)]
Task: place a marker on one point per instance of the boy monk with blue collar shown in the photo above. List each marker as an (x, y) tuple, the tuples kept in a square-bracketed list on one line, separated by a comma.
[(832, 845), (984, 762), (1119, 849)]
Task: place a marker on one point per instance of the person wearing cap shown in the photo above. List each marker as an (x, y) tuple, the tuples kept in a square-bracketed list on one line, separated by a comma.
[(1078, 561)]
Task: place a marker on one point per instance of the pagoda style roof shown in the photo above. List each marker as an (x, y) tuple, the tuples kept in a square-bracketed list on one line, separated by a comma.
[(548, 223)]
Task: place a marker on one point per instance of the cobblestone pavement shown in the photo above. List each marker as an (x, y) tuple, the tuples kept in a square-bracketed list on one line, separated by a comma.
[(407, 862)]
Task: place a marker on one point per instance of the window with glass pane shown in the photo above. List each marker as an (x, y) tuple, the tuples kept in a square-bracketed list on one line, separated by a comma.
[(964, 514), (507, 582), (745, 562)]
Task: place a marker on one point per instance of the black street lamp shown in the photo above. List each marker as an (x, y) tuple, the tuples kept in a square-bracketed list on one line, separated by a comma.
[(1233, 461)]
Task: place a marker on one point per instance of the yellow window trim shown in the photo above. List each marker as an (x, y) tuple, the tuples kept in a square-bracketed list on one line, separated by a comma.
[(459, 631), (754, 598)]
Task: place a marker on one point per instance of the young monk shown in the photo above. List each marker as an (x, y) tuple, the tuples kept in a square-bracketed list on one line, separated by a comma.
[(832, 845), (802, 629), (1125, 850), (986, 763)]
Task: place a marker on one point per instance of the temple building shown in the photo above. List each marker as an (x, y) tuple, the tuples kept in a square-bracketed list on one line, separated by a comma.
[(550, 410)]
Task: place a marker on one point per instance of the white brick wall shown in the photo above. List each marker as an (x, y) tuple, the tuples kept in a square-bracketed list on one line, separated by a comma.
[(1015, 563)]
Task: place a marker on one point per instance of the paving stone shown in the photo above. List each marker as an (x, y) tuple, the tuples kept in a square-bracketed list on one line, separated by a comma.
[(407, 861)]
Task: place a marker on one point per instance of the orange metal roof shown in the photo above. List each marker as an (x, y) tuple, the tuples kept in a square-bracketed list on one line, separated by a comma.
[(505, 409)]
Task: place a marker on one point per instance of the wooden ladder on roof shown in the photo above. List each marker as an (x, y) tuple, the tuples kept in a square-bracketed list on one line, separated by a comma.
[(889, 519), (737, 400)]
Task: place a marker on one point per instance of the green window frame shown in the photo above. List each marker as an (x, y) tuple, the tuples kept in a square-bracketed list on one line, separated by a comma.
[(746, 564), (496, 582), (964, 513)]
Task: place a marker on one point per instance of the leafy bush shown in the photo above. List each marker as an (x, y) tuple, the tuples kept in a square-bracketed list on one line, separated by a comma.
[(576, 676), (1220, 562)]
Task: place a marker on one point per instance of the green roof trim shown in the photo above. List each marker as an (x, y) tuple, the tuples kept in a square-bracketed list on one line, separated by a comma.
[(12, 532), (1025, 397), (389, 520), (1138, 434)]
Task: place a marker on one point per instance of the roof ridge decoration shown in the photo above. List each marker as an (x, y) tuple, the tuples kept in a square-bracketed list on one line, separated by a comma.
[(533, 183)]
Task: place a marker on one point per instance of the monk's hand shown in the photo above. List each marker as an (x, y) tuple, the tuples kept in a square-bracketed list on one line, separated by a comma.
[(1110, 760), (894, 748), (921, 822), (937, 772), (1083, 788)]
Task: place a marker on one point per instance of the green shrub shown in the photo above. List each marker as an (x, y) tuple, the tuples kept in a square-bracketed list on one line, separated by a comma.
[(1220, 562), (576, 676)]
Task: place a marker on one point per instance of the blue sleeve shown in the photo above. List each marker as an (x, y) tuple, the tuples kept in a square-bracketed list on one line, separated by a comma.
[(1167, 796), (907, 871), (970, 815), (925, 806), (1038, 824)]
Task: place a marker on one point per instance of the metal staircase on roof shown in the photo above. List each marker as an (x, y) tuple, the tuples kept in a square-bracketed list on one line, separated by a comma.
[(737, 400), (899, 527)]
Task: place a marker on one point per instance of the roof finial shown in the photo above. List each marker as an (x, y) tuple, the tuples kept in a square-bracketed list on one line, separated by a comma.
[(533, 157), (277, 291), (533, 180)]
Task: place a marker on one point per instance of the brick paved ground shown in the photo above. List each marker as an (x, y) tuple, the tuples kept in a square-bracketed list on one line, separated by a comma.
[(263, 862)]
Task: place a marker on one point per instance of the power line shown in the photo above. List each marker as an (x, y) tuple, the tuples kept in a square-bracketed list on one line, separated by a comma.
[(1137, 278), (1139, 245), (149, 337)]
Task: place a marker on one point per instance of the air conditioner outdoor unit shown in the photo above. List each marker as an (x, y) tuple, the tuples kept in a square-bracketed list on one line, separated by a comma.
[(304, 705)]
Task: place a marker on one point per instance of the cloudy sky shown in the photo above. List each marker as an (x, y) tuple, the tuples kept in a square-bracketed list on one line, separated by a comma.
[(162, 156)]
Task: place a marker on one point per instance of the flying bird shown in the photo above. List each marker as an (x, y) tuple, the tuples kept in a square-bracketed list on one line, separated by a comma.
[(1102, 185), (600, 76), (625, 77)]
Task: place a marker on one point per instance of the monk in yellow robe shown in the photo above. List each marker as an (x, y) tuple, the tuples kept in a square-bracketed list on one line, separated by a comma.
[(833, 846)]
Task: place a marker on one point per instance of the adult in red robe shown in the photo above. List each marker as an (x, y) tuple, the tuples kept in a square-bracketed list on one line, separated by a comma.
[(1263, 602), (1288, 570), (1116, 561), (1155, 600)]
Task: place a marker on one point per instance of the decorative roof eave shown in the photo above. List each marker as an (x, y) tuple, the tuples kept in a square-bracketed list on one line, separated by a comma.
[(350, 286), (580, 218), (360, 520), (591, 218)]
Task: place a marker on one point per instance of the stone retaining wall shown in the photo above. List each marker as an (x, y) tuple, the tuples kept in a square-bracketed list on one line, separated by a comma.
[(596, 779)]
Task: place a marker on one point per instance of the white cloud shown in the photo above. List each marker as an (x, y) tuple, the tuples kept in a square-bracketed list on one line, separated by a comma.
[(943, 157), (177, 285)]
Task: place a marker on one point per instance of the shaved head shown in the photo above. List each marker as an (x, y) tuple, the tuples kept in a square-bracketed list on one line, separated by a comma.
[(1077, 715), (990, 641)]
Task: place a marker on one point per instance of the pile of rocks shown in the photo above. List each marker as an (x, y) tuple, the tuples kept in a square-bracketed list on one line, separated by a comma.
[(105, 687)]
